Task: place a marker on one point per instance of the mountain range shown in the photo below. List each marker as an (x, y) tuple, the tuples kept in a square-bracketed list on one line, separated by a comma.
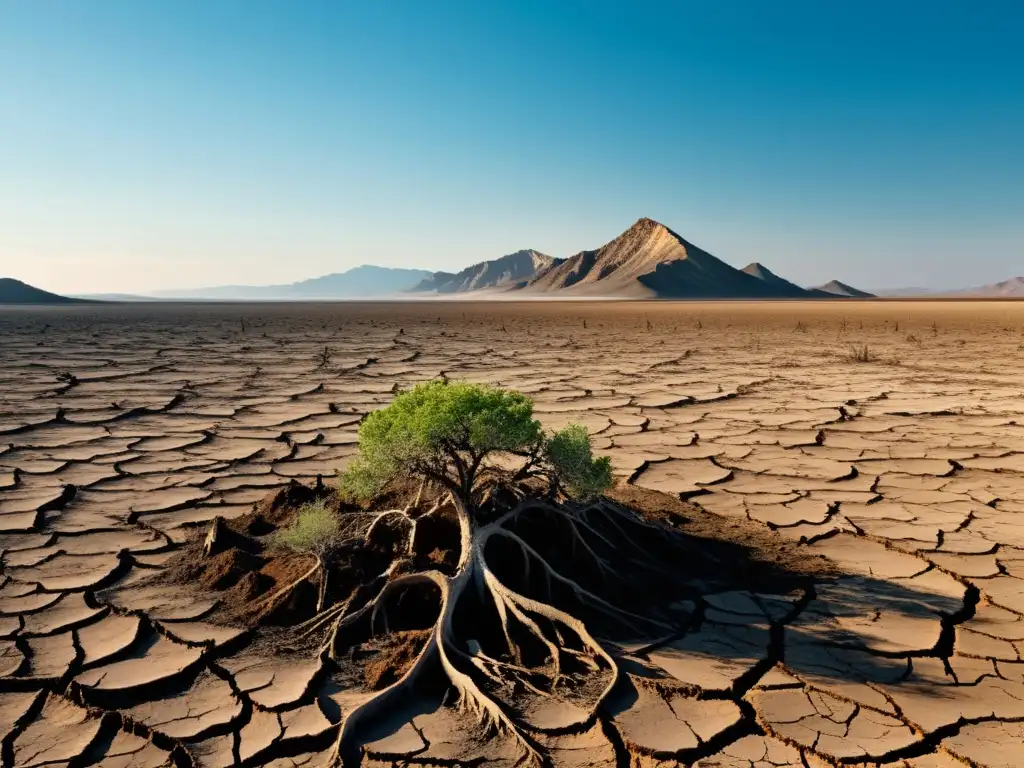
[(367, 280), (648, 260)]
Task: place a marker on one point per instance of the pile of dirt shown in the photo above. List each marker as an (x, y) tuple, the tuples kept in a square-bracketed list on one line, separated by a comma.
[(225, 570), (238, 560)]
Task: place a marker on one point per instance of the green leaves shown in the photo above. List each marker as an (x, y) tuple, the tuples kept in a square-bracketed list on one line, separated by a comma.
[(445, 431), (573, 463)]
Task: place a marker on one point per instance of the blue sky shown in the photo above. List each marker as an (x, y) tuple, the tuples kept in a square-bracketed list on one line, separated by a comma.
[(149, 145)]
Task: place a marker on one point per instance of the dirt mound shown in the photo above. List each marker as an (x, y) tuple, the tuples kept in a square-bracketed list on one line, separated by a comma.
[(223, 571), (277, 509), (238, 560)]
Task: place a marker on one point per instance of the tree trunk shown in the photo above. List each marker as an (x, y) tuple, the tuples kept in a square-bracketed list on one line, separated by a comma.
[(465, 530)]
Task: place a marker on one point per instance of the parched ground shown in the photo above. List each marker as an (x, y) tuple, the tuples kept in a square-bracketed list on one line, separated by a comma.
[(123, 428)]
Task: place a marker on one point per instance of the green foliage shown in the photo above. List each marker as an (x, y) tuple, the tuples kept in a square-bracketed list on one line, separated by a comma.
[(315, 529), (572, 461), (436, 427), (445, 431)]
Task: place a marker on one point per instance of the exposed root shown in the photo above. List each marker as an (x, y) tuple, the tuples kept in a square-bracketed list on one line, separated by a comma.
[(419, 495), (470, 697), (378, 521), (553, 614), (463, 661), (623, 616)]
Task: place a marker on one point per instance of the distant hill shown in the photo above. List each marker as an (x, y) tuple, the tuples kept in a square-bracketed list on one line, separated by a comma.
[(649, 260), (433, 282), (122, 297), (503, 272), (365, 281), (16, 292), (1012, 288), (761, 272), (836, 288), (1005, 289)]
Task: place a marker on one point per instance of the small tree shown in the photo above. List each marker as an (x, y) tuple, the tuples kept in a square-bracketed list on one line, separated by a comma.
[(447, 431), (314, 531), (464, 437)]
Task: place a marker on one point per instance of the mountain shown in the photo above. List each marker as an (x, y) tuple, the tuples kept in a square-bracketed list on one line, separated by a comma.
[(497, 273), (761, 272), (16, 292), (649, 260), (433, 282), (1005, 289), (365, 281), (836, 288)]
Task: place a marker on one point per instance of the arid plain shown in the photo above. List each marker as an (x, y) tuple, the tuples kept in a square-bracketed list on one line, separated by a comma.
[(876, 448)]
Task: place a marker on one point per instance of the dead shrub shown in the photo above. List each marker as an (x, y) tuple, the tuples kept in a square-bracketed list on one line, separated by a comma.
[(860, 353)]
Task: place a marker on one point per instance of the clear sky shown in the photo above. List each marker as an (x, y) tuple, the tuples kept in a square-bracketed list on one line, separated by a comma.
[(148, 145)]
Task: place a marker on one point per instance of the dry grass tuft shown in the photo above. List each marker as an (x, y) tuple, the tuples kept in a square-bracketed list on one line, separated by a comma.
[(323, 358), (315, 529), (860, 353)]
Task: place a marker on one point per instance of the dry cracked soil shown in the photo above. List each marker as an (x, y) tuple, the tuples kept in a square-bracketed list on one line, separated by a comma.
[(879, 440)]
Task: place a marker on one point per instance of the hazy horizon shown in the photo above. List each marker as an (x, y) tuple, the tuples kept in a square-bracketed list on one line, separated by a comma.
[(150, 146)]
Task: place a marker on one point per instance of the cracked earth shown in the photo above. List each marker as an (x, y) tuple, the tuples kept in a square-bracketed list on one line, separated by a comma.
[(124, 430)]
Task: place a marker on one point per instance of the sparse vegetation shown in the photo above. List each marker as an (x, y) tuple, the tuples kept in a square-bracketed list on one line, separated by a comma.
[(314, 531), (860, 353), (323, 358)]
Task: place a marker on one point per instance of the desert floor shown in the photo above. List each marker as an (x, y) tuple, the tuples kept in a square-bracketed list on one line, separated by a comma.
[(123, 429)]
